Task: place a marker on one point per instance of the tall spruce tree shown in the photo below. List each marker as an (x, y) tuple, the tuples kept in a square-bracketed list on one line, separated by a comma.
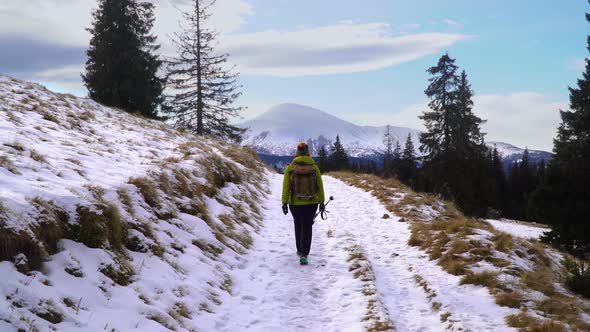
[(338, 158), (562, 198), (206, 86), (453, 143), (442, 93), (122, 67)]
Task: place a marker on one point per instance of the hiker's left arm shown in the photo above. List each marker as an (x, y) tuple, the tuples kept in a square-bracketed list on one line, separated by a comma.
[(286, 184), (321, 196)]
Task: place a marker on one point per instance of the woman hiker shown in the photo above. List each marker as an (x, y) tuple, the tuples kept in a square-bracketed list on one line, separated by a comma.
[(303, 191)]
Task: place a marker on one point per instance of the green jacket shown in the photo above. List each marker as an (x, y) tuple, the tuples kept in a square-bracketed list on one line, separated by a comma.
[(287, 199)]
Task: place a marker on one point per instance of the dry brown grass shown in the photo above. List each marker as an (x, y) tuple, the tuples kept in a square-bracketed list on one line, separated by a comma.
[(207, 248), (7, 163), (503, 242), (521, 320), (49, 117), (540, 280), (486, 279), (148, 190), (38, 157), (16, 146), (244, 156), (100, 226), (126, 200), (513, 299)]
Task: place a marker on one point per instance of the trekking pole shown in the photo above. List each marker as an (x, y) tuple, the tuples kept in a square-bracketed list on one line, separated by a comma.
[(325, 205)]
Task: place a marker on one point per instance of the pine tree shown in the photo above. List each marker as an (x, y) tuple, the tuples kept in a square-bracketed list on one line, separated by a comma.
[(562, 198), (323, 160), (453, 143), (207, 87), (122, 67), (407, 170), (338, 158), (388, 156), (442, 92)]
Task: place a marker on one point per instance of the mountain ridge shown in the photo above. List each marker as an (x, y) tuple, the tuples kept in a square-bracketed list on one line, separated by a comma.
[(273, 133)]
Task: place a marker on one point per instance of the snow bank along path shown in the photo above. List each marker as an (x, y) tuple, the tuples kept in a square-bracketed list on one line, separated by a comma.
[(272, 292)]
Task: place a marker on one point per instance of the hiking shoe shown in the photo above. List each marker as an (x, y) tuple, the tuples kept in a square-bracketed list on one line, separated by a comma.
[(303, 260)]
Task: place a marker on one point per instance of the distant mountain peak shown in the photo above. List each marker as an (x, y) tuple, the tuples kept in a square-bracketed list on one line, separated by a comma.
[(278, 130)]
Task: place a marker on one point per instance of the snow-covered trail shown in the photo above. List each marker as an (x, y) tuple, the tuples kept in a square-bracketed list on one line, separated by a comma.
[(272, 292)]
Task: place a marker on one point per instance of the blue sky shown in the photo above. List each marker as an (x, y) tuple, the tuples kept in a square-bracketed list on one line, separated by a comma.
[(363, 61)]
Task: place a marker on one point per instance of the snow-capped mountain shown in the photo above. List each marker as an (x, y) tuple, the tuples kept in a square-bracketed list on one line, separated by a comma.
[(511, 153), (277, 131)]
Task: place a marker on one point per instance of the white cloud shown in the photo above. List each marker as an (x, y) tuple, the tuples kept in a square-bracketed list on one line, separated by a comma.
[(452, 23), (341, 48), (61, 25), (63, 22), (523, 119), (411, 26)]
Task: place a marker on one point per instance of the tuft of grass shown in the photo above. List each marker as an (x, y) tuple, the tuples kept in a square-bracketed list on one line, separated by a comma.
[(207, 248), (87, 115), (540, 280), (47, 311), (16, 146), (459, 247), (555, 306), (512, 299), (227, 220), (486, 279), (521, 320), (69, 302), (161, 319), (503, 242), (220, 172), (121, 276), (125, 199), (227, 284), (147, 190), (6, 163), (50, 117), (38, 157), (98, 225), (74, 161), (180, 309), (454, 265)]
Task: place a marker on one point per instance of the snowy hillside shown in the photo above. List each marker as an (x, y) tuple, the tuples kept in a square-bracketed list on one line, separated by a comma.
[(277, 131), (511, 153), (112, 222)]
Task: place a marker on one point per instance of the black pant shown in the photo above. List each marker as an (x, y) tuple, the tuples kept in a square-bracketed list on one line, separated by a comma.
[(303, 216)]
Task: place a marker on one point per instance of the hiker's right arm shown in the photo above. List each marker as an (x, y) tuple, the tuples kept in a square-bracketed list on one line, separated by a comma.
[(286, 185)]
